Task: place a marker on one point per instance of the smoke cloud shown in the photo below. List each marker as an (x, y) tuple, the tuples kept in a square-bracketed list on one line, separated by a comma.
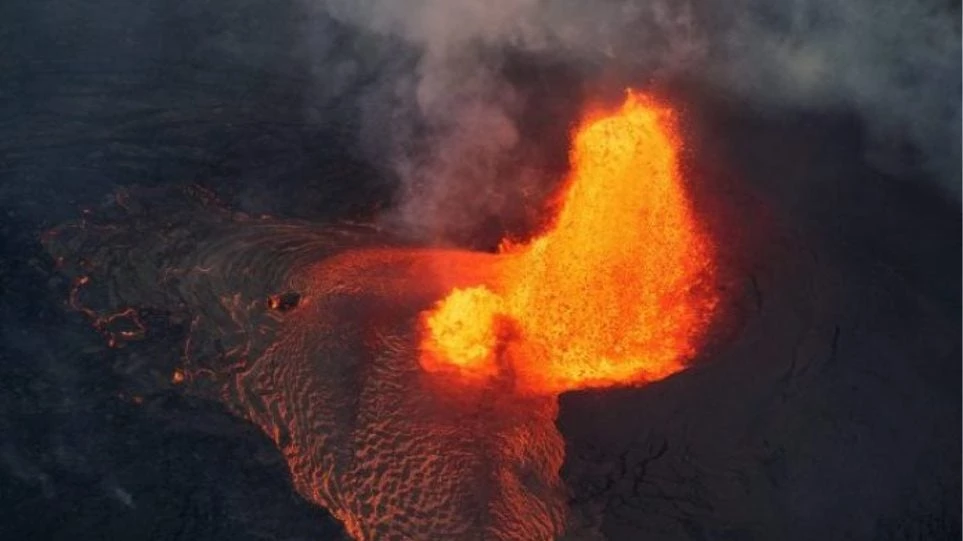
[(441, 93), (444, 117)]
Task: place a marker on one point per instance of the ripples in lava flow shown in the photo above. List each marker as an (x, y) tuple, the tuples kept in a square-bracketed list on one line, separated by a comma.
[(411, 391), (618, 290)]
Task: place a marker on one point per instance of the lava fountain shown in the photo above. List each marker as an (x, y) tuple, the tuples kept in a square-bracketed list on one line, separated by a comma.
[(618, 291), (413, 391)]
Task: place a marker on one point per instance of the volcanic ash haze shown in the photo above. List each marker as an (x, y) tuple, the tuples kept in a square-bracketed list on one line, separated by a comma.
[(441, 112), (827, 416)]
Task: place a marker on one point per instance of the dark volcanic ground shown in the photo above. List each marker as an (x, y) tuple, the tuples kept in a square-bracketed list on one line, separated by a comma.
[(835, 414)]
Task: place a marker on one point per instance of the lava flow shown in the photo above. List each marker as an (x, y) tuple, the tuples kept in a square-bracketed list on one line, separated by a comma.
[(617, 291), (413, 392)]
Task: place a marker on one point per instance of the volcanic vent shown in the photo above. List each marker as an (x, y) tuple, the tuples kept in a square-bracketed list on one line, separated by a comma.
[(413, 391)]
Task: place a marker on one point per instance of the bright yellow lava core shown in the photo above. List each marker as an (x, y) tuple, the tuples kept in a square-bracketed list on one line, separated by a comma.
[(618, 291)]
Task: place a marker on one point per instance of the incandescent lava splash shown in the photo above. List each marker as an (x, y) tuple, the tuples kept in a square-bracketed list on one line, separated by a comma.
[(617, 291), (413, 391)]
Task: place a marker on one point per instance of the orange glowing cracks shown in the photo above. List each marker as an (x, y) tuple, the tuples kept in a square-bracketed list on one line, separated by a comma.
[(620, 290)]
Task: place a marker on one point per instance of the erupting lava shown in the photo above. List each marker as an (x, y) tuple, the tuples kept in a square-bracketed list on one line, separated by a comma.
[(617, 291), (358, 355)]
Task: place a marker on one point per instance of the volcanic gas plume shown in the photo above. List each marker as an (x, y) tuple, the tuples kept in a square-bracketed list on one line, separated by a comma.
[(413, 391)]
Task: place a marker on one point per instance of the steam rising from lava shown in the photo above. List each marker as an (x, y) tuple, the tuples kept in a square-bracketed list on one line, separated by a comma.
[(350, 348), (617, 291), (441, 111)]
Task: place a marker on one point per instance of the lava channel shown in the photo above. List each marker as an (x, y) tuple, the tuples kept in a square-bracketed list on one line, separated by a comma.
[(413, 391)]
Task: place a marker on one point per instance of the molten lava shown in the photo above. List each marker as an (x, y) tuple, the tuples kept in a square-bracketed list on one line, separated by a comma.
[(617, 291), (351, 349)]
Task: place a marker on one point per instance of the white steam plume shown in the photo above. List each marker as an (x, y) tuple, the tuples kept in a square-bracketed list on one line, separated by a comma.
[(896, 63)]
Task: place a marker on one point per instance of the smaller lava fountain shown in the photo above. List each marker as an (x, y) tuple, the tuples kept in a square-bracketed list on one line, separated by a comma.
[(618, 291), (413, 391)]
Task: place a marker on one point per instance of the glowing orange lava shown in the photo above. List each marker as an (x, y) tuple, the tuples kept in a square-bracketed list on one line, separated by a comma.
[(619, 290), (330, 338)]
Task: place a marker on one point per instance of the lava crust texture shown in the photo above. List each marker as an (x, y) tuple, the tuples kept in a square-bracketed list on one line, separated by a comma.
[(332, 374)]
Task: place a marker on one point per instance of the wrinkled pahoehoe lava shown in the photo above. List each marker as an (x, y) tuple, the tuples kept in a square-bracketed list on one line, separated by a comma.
[(413, 391)]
